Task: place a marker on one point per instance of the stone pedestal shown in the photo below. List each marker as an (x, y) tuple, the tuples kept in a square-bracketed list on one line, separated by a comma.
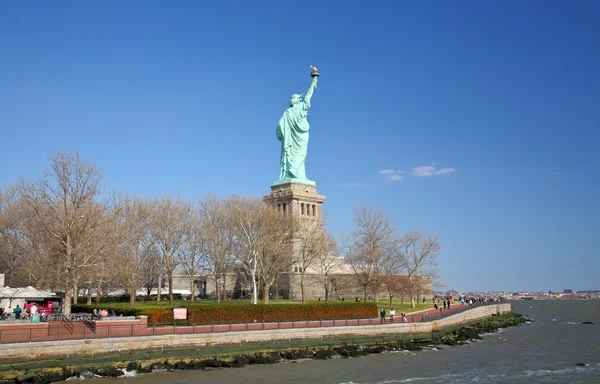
[(297, 199), (301, 201)]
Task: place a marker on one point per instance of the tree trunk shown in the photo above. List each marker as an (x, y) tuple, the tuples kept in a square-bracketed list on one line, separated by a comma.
[(391, 297), (365, 286), (67, 300), (302, 288), (410, 292), (265, 289), (170, 274), (75, 293), (224, 293), (193, 288), (276, 290), (254, 288), (132, 292), (326, 291), (158, 288), (89, 295), (218, 290), (98, 293)]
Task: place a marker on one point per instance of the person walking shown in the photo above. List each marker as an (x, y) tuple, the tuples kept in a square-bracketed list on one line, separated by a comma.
[(382, 315), (392, 314)]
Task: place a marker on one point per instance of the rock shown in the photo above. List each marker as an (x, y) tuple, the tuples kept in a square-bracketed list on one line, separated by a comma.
[(297, 354), (350, 351), (587, 323), (375, 349), (107, 371), (213, 363), (240, 361), (181, 365), (323, 354), (133, 366), (264, 358), (26, 378), (51, 377)]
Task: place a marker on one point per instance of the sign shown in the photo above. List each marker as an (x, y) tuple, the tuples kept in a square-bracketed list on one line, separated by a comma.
[(179, 313)]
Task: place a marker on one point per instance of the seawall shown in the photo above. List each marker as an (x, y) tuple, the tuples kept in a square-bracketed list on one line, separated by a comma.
[(53, 350)]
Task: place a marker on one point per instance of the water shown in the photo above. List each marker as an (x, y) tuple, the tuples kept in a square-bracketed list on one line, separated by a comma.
[(546, 351)]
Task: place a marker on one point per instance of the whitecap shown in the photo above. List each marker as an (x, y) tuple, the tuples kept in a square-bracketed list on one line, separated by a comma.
[(126, 373)]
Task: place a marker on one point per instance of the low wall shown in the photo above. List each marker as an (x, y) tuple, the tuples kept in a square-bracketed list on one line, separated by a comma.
[(95, 347)]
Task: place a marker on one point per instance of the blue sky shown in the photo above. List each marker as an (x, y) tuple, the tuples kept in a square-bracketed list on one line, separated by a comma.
[(183, 98)]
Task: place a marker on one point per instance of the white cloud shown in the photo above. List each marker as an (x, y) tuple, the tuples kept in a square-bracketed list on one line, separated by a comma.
[(392, 174), (353, 185), (430, 171), (445, 171), (424, 171)]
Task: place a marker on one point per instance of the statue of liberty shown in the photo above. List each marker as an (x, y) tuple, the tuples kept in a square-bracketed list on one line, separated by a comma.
[(292, 131)]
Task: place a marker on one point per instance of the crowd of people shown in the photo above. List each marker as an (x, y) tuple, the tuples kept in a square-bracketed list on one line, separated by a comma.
[(28, 311), (98, 314), (441, 303)]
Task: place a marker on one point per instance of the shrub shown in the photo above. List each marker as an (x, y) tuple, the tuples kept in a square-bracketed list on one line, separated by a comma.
[(241, 313)]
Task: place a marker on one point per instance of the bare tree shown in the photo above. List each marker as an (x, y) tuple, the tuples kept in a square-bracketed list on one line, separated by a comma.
[(168, 221), (190, 255), (370, 242), (275, 249), (67, 204), (418, 257), (218, 236), (150, 268), (11, 238), (328, 265), (248, 219), (134, 230), (310, 243)]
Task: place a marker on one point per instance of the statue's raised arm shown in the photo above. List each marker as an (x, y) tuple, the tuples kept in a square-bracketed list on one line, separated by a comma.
[(313, 84)]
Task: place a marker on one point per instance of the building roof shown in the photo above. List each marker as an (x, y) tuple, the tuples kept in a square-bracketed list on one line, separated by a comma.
[(25, 293)]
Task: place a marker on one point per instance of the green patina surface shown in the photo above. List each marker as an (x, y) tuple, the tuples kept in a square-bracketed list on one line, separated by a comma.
[(292, 131)]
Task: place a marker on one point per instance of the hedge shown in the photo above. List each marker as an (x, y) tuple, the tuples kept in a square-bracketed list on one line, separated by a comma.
[(241, 313), (217, 314)]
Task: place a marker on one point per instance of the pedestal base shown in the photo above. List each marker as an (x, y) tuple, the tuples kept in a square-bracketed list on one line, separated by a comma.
[(295, 181)]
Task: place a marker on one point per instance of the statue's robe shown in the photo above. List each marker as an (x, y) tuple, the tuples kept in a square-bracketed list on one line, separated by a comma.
[(292, 131)]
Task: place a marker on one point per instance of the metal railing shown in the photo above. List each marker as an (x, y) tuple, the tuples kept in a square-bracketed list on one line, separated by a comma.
[(67, 323), (82, 330)]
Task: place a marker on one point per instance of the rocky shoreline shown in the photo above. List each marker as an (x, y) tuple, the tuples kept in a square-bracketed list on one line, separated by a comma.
[(268, 355)]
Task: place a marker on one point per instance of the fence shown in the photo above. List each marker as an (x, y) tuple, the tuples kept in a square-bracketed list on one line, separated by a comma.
[(96, 330)]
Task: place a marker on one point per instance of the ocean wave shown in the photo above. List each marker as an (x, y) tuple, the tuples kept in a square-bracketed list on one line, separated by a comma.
[(562, 371), (126, 373)]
